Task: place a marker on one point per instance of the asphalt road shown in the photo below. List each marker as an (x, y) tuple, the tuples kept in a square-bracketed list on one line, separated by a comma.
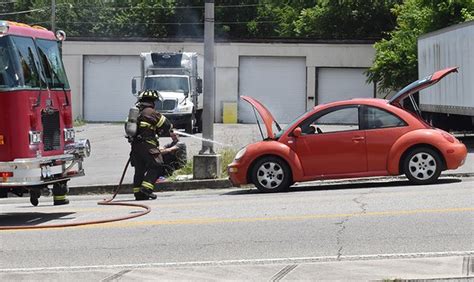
[(213, 227)]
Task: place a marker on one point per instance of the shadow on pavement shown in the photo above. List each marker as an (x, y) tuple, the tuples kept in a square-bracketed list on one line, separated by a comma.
[(32, 218), (321, 186)]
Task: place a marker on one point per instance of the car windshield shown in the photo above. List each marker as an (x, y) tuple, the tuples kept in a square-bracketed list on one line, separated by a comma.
[(167, 83), (285, 128)]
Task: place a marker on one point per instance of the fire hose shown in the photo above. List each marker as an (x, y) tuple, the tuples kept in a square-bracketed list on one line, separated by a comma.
[(104, 202)]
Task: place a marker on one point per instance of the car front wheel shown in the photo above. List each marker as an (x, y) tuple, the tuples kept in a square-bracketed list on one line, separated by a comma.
[(271, 174), (422, 166)]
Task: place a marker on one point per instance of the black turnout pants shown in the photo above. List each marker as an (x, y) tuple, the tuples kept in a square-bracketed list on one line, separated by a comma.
[(147, 170)]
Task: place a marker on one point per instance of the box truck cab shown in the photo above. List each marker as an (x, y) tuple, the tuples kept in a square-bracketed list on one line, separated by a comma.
[(175, 76)]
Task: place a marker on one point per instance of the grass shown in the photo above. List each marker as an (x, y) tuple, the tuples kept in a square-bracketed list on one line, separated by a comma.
[(79, 122), (227, 156)]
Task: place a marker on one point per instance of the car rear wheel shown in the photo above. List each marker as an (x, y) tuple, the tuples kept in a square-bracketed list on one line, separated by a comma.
[(422, 166), (271, 174)]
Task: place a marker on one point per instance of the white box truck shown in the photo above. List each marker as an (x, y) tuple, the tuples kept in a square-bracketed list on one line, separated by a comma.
[(450, 103), (176, 77)]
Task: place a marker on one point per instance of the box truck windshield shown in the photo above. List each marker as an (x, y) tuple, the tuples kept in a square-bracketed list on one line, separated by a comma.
[(168, 83)]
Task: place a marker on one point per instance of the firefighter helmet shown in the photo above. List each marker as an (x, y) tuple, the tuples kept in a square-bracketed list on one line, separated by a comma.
[(148, 95)]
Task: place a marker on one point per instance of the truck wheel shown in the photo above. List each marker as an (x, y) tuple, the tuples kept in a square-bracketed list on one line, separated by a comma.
[(199, 121), (4, 192), (189, 126)]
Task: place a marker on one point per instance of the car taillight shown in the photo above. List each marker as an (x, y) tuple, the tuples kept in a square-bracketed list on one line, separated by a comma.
[(5, 175), (448, 137)]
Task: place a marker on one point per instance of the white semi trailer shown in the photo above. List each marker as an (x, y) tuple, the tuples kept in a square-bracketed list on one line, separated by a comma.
[(450, 103), (175, 76)]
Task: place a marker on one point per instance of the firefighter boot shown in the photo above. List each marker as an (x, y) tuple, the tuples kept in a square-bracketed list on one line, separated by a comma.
[(59, 194), (139, 196), (147, 189)]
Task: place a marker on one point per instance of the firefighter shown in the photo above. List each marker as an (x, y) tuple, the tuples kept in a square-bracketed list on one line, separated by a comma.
[(177, 157), (145, 155)]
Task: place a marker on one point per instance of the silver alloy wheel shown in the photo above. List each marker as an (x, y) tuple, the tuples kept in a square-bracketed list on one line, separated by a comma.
[(270, 175), (422, 166)]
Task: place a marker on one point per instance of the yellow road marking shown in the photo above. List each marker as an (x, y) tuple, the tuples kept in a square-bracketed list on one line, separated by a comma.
[(198, 221)]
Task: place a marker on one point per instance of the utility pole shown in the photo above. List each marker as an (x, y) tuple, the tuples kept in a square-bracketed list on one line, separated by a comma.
[(53, 15), (207, 164), (209, 79)]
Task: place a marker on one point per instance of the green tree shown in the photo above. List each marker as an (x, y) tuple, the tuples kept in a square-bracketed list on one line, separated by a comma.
[(325, 19), (396, 63), (346, 19)]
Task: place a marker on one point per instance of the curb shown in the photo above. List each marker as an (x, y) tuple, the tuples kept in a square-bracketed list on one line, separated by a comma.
[(222, 183), (163, 186)]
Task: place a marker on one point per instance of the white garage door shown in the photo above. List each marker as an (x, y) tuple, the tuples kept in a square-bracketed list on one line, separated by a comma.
[(278, 82), (335, 84), (107, 86)]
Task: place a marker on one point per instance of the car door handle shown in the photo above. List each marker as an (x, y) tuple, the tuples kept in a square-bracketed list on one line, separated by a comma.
[(358, 138)]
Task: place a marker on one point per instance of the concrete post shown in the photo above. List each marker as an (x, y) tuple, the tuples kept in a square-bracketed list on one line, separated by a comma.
[(209, 79), (207, 164)]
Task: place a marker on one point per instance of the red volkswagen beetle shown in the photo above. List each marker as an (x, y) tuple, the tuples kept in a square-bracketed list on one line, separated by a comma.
[(348, 139)]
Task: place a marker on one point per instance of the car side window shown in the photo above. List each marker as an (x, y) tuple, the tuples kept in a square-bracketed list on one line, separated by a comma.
[(345, 118), (378, 118)]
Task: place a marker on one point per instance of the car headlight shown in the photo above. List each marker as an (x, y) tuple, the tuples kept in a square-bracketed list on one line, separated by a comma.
[(240, 154)]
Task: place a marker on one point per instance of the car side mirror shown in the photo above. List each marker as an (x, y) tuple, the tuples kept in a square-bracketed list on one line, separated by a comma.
[(297, 132), (134, 86)]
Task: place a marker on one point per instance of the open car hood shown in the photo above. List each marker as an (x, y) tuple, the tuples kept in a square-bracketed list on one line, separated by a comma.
[(267, 117), (421, 84)]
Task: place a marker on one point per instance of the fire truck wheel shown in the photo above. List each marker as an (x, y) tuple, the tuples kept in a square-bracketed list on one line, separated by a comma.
[(35, 193), (3, 192)]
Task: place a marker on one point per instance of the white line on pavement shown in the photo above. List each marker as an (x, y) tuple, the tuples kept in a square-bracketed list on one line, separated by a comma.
[(245, 261)]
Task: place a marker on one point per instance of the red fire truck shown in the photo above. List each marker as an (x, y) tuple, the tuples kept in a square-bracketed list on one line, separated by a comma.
[(37, 139)]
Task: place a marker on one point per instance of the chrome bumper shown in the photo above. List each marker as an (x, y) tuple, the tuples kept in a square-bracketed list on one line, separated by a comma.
[(45, 170)]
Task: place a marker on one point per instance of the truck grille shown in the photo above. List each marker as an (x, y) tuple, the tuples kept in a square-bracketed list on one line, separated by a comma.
[(165, 105), (51, 131)]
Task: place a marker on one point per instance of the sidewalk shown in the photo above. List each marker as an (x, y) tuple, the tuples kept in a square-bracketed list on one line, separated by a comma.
[(361, 268), (110, 151)]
